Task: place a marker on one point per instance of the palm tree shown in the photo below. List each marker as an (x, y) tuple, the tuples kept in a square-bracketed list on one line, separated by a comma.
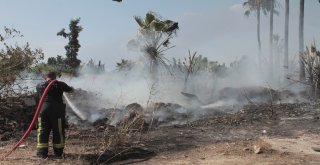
[(271, 32), (154, 39), (286, 37), (271, 6), (302, 73), (256, 6)]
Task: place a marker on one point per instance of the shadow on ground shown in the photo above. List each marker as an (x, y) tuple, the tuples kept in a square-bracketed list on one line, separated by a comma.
[(128, 156)]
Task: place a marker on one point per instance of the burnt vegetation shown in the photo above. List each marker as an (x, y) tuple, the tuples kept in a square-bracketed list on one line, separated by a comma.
[(210, 111)]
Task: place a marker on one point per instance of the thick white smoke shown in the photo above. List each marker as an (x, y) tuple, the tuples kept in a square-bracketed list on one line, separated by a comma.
[(205, 91)]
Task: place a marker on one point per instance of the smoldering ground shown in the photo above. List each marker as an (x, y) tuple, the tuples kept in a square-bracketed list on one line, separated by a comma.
[(108, 93)]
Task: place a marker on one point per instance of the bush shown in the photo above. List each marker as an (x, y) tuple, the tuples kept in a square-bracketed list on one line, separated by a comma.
[(311, 59), (14, 61)]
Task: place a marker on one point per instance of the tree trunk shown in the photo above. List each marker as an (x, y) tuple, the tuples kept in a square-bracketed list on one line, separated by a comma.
[(154, 70), (302, 74), (271, 37), (258, 32), (286, 39)]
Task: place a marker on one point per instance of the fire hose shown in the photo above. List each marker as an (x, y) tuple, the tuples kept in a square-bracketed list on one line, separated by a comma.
[(6, 154)]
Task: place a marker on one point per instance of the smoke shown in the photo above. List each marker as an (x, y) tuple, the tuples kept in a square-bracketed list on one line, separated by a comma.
[(198, 86), (106, 94), (204, 92)]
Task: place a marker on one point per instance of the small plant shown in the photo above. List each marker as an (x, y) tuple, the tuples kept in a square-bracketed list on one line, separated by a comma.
[(120, 135), (191, 66), (311, 58), (124, 65), (95, 68)]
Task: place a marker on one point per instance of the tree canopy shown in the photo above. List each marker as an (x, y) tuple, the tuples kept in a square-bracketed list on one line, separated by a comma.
[(73, 46)]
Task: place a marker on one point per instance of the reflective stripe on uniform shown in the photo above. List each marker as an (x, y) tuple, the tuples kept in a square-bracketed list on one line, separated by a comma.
[(42, 145), (38, 134), (61, 144), (38, 130), (58, 145)]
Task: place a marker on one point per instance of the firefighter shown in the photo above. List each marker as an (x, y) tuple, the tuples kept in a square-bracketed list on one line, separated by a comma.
[(52, 116)]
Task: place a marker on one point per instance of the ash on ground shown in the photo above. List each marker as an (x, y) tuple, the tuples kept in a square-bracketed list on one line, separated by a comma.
[(100, 112)]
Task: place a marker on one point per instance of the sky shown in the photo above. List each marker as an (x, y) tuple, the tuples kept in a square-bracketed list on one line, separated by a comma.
[(216, 29)]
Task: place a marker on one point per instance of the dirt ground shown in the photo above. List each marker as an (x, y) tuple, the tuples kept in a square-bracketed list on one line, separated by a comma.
[(258, 134)]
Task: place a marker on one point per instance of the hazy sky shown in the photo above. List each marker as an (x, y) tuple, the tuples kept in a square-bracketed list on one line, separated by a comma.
[(214, 28)]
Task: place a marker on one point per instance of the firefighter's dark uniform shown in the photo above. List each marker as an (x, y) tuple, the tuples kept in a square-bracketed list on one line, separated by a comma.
[(52, 117)]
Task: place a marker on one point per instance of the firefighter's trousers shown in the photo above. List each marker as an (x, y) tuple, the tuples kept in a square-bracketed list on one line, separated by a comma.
[(51, 118)]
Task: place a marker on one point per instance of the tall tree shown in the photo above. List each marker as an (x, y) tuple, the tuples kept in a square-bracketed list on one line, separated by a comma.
[(302, 73), (272, 6), (256, 6), (286, 37), (73, 46)]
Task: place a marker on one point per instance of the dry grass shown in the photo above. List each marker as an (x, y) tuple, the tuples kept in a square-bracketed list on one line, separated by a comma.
[(119, 136)]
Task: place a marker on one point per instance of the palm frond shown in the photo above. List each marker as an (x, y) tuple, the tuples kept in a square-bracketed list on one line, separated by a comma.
[(157, 26), (149, 18), (172, 27), (139, 21)]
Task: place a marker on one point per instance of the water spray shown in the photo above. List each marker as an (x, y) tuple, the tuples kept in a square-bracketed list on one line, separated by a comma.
[(74, 108)]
